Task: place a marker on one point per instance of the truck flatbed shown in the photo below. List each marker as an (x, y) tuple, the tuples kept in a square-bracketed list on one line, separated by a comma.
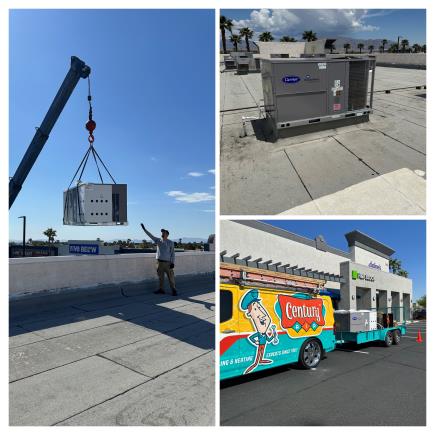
[(368, 336)]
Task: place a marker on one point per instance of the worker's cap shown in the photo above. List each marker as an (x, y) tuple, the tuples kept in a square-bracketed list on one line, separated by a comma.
[(165, 231), (251, 296)]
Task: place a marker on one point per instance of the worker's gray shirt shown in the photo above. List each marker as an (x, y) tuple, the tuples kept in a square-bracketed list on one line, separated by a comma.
[(165, 249)]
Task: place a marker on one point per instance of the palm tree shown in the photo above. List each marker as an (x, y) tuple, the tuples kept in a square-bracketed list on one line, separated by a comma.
[(416, 48), (423, 48), (225, 24), (384, 43), (287, 39), (309, 36), (395, 265), (360, 46), (394, 48), (404, 43), (371, 48), (51, 234), (403, 273), (346, 46), (247, 33), (235, 40), (266, 37)]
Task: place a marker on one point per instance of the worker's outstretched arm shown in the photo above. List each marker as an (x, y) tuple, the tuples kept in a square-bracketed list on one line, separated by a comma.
[(153, 238)]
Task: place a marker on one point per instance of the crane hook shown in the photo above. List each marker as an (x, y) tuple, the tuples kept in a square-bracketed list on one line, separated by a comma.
[(90, 126)]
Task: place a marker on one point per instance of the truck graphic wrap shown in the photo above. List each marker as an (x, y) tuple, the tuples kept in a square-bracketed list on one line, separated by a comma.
[(300, 314), (264, 328)]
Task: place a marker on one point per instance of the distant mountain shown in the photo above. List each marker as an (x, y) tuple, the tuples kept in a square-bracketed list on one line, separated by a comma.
[(340, 41)]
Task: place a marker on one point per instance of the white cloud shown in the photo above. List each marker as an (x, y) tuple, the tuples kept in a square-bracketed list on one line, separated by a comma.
[(195, 174), (208, 211), (190, 197), (212, 171), (333, 22)]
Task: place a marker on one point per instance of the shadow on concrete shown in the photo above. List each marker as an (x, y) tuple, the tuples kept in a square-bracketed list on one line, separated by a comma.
[(134, 303)]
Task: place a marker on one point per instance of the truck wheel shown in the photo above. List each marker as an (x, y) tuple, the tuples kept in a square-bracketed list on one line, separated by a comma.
[(388, 341), (397, 337), (310, 354)]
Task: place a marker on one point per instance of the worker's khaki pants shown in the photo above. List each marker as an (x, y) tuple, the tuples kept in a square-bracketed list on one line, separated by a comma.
[(162, 268)]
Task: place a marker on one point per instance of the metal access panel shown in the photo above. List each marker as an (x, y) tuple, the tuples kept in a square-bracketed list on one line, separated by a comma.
[(95, 204), (351, 321), (314, 90)]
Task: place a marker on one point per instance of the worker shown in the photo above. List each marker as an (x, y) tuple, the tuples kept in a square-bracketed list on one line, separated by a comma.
[(165, 256)]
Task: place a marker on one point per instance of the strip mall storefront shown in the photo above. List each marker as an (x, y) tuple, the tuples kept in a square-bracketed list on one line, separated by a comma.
[(357, 279)]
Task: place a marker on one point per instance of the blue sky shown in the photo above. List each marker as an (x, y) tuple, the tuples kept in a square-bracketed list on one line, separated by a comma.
[(154, 101), (406, 237), (354, 23)]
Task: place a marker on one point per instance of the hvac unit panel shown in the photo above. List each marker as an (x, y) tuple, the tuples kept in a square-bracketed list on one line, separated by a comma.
[(300, 106), (292, 77), (337, 87), (96, 204), (351, 321), (305, 91), (373, 320)]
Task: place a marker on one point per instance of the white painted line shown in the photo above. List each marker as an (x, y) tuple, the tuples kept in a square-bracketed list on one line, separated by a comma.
[(353, 351), (409, 336)]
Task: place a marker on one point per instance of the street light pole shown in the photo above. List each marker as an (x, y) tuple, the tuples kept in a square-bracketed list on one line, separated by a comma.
[(24, 234)]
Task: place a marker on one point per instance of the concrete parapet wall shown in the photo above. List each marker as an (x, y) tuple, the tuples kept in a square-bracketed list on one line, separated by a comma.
[(418, 59), (402, 58), (30, 275)]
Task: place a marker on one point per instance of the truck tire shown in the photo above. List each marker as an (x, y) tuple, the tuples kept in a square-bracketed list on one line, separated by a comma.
[(310, 354), (397, 336), (388, 341)]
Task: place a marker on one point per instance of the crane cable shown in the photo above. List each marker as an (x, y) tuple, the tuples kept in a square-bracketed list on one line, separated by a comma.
[(91, 126)]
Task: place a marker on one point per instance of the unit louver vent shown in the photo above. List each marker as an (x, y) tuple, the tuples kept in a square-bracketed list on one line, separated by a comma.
[(358, 79)]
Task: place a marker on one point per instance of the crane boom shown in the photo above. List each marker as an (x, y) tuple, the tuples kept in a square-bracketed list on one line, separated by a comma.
[(77, 71)]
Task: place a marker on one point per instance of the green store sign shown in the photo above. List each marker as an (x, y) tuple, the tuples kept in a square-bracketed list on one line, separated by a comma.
[(362, 276)]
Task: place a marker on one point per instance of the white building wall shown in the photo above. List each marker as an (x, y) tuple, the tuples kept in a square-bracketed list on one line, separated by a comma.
[(361, 256), (293, 49), (238, 238), (383, 281), (29, 275)]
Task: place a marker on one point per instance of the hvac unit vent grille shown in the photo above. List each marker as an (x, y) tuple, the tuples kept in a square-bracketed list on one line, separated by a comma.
[(358, 79)]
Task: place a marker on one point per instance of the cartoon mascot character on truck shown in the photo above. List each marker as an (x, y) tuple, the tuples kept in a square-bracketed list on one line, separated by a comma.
[(261, 320)]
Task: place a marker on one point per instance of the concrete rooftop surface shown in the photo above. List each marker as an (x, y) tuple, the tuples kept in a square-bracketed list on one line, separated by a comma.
[(376, 167), (120, 356)]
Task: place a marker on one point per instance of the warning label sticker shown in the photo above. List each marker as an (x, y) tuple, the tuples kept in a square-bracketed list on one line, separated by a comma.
[(322, 65), (336, 107)]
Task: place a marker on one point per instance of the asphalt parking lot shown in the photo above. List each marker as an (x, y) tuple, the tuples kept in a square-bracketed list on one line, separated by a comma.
[(363, 386), (120, 356)]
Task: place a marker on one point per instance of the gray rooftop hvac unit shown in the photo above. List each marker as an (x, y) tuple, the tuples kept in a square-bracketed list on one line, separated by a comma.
[(95, 204), (316, 90)]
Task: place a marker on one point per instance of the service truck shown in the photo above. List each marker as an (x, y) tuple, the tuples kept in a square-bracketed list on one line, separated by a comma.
[(270, 318)]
